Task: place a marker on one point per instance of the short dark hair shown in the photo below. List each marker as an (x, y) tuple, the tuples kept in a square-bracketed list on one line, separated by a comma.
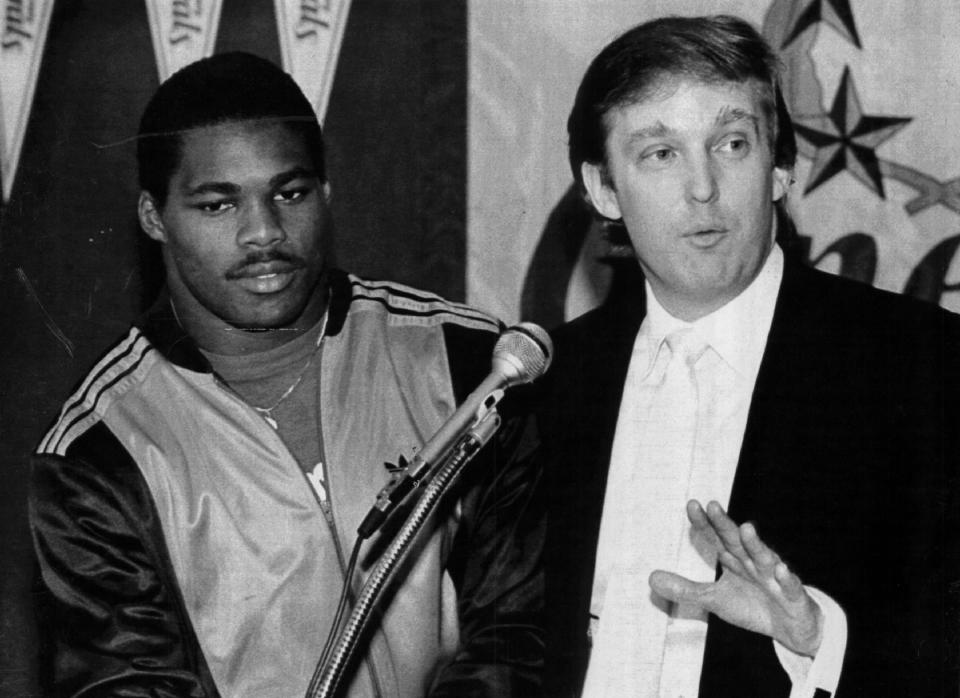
[(710, 49), (226, 87)]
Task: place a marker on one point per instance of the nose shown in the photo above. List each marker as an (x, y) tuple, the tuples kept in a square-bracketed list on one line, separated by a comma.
[(702, 180), (261, 226)]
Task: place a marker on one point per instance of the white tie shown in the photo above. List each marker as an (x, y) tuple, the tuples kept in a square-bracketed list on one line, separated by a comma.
[(658, 430)]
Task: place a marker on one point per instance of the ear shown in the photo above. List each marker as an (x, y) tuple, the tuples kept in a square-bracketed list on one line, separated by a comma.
[(782, 179), (327, 192), (601, 191), (150, 220)]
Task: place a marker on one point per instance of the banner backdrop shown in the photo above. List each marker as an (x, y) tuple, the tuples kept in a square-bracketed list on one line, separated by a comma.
[(311, 32), (182, 32), (875, 96), (23, 33)]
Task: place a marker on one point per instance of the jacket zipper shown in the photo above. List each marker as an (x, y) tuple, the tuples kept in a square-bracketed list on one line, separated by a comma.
[(326, 507)]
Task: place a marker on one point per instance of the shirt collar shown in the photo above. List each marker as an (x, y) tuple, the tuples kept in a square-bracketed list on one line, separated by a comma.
[(737, 332)]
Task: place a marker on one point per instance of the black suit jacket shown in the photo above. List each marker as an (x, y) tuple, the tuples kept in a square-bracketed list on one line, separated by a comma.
[(848, 467)]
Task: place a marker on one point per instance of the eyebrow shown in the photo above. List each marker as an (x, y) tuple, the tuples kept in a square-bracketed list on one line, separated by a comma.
[(726, 116), (282, 178), (730, 115), (657, 130), (229, 188), (224, 188)]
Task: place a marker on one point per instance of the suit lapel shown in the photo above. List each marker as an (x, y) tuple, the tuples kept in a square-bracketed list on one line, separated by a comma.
[(594, 374), (793, 391), (579, 419), (737, 662)]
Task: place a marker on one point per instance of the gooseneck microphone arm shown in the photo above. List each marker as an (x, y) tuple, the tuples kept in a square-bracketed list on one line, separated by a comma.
[(522, 354), (327, 676)]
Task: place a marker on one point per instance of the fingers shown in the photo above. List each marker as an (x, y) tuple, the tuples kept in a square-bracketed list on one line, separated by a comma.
[(743, 551), (719, 532), (732, 563), (756, 591), (727, 530), (741, 543), (760, 554), (789, 583), (675, 588), (702, 526)]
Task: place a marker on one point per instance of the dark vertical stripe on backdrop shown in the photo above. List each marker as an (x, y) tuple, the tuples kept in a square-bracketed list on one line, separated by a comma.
[(397, 132), (442, 140), (249, 26)]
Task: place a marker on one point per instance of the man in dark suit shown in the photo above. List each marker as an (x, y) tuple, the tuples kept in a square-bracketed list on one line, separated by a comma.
[(823, 412)]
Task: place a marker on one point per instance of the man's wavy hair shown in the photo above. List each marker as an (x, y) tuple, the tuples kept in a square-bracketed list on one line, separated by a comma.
[(223, 88)]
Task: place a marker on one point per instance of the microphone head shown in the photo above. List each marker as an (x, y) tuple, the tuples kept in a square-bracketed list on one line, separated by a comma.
[(523, 353)]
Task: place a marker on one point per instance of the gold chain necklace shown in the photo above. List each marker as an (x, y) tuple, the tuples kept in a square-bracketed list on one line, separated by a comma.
[(266, 412)]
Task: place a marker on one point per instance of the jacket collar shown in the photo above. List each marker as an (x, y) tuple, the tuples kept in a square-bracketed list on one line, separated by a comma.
[(163, 330)]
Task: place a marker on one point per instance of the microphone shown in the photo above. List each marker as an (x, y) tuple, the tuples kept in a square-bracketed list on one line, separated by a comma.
[(522, 353)]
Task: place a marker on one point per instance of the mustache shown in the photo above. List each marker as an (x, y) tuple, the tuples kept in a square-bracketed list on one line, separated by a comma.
[(285, 261)]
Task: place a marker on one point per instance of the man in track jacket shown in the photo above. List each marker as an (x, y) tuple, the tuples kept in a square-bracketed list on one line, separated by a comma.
[(195, 502)]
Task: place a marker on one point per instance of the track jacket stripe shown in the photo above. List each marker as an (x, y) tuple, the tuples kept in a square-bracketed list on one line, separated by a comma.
[(392, 296), (81, 407)]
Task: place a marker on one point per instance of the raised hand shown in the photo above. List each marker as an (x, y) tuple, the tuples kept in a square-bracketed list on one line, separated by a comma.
[(756, 590)]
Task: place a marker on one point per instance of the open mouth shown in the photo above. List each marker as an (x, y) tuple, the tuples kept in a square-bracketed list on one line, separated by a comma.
[(707, 237)]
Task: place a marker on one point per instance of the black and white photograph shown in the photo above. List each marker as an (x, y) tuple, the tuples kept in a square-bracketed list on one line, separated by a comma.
[(480, 348)]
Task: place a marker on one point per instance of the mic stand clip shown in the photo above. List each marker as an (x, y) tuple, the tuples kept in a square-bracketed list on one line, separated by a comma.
[(408, 476)]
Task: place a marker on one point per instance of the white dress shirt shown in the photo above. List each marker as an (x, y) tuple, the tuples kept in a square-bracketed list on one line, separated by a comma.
[(643, 645)]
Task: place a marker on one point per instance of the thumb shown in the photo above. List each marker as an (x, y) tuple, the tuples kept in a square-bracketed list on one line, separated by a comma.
[(677, 589)]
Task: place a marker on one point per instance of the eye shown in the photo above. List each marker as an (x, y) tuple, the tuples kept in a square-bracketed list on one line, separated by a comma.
[(658, 156), (289, 196), (215, 207), (734, 145)]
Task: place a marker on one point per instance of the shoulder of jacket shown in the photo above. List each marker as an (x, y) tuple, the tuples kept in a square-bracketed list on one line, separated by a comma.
[(404, 305), (121, 367), (855, 303)]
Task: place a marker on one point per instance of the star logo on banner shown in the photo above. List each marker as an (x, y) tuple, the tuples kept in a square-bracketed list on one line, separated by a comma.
[(836, 13), (847, 139)]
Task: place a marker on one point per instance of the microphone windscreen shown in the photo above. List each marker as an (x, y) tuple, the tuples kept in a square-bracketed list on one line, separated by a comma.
[(527, 348)]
